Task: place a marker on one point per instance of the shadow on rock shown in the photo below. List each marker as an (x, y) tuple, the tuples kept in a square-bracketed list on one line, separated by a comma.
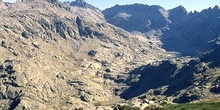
[(158, 75)]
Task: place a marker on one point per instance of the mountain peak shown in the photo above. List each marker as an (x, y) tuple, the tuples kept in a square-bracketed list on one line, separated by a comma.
[(80, 1), (177, 13), (52, 1), (179, 8), (216, 7), (82, 4)]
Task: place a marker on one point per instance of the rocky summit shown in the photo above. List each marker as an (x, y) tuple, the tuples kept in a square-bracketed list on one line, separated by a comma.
[(71, 55)]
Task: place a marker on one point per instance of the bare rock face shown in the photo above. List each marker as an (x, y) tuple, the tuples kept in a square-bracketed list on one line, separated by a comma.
[(10, 89), (178, 80), (47, 63), (53, 1), (193, 33), (60, 56), (4, 5), (82, 4), (137, 17), (177, 14), (189, 34)]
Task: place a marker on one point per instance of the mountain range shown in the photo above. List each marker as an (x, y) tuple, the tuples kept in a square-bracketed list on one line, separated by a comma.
[(180, 31), (71, 55)]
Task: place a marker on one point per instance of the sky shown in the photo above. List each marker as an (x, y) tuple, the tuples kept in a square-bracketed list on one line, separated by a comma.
[(190, 5)]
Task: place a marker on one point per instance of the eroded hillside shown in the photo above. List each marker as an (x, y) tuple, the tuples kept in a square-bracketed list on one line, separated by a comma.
[(192, 36), (58, 56), (64, 56)]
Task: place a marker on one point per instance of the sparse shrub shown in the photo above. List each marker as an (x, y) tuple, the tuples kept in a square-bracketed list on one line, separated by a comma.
[(78, 109), (153, 107), (25, 35)]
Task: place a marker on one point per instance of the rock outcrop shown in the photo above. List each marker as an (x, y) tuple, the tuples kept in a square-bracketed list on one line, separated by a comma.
[(82, 4), (58, 56), (177, 80)]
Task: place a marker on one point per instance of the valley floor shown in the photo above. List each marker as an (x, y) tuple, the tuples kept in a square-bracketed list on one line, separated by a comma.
[(207, 105)]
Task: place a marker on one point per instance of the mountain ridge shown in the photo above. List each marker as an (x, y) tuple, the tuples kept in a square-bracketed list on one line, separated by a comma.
[(83, 4), (174, 26), (135, 11), (53, 56), (60, 56)]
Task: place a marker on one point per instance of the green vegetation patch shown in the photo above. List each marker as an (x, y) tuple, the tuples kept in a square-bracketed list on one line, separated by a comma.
[(194, 106)]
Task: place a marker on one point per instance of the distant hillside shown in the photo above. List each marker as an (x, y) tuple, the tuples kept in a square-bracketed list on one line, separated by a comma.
[(193, 34), (138, 17), (180, 31)]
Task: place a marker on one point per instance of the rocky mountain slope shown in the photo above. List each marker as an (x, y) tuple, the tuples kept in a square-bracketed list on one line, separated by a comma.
[(197, 30), (83, 4), (4, 5), (60, 56), (65, 56), (194, 35), (178, 80), (138, 17), (179, 31)]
